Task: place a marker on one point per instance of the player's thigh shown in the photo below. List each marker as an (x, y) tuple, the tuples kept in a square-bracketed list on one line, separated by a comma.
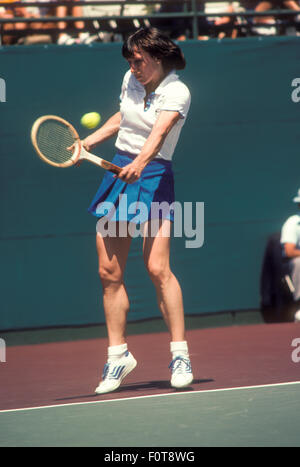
[(112, 256), (156, 249)]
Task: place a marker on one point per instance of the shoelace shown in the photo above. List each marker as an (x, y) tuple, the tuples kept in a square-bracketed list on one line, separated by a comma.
[(180, 365)]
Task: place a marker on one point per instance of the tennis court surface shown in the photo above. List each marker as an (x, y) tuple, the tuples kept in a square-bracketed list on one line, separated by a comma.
[(245, 393)]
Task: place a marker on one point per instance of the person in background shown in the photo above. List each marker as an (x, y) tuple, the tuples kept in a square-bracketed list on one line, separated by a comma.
[(265, 5), (290, 241), (64, 37), (176, 28), (225, 25), (181, 28), (10, 12)]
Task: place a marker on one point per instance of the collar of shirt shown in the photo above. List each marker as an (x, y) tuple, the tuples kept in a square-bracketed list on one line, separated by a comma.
[(159, 90)]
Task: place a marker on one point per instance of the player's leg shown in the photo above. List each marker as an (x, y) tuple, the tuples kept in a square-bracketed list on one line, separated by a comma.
[(112, 257), (112, 254), (156, 251)]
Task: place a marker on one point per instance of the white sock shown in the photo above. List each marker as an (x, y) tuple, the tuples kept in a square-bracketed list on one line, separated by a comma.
[(179, 348), (115, 352)]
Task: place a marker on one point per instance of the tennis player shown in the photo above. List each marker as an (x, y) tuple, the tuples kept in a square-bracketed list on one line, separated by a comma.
[(153, 108)]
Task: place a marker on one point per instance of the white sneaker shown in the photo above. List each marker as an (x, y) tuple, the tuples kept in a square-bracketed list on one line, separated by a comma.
[(297, 316), (182, 375), (115, 372)]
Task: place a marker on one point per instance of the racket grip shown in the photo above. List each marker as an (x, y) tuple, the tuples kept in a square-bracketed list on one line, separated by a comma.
[(111, 167), (84, 154)]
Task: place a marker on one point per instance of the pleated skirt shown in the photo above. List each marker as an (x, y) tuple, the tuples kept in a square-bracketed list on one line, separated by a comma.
[(150, 197)]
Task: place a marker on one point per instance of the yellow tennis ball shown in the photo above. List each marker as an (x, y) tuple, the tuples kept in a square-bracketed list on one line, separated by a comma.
[(90, 120)]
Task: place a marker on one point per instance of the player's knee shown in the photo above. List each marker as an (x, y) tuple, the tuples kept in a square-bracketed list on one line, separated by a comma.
[(109, 275), (158, 272)]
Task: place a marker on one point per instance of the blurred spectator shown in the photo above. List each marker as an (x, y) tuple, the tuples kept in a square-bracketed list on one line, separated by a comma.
[(267, 25), (225, 26), (176, 28), (290, 240), (105, 10), (276, 289), (64, 37), (43, 35), (9, 13), (111, 30), (181, 28), (204, 26)]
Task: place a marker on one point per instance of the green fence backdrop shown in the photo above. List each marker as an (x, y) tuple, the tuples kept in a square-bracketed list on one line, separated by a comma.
[(238, 153)]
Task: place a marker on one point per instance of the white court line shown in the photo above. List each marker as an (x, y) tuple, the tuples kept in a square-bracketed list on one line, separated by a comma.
[(73, 404)]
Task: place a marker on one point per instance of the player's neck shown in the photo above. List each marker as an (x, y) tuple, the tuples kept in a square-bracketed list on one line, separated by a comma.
[(152, 85)]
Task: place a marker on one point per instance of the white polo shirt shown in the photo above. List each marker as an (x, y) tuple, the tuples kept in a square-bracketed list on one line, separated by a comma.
[(137, 121), (290, 232)]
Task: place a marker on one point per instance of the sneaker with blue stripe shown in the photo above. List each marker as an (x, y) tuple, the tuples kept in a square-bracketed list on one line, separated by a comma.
[(182, 375), (114, 372)]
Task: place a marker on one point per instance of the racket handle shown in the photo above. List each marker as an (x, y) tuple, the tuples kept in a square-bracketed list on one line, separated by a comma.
[(84, 154), (111, 167)]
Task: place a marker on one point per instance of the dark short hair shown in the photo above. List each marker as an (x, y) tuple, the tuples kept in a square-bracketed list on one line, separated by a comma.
[(157, 45)]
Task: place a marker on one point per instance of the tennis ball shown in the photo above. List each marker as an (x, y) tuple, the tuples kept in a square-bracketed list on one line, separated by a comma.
[(90, 120)]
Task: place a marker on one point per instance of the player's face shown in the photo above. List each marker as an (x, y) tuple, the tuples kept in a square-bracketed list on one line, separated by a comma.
[(146, 69)]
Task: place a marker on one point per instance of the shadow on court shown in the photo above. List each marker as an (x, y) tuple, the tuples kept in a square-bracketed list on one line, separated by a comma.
[(245, 392), (61, 372), (136, 388)]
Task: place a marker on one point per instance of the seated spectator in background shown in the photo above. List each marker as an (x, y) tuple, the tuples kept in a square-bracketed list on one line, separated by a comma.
[(204, 26), (265, 5), (5, 13), (65, 38), (225, 25), (9, 13), (42, 34), (176, 28), (290, 241)]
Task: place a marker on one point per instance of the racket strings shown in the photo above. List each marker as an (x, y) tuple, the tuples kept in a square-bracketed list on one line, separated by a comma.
[(53, 138)]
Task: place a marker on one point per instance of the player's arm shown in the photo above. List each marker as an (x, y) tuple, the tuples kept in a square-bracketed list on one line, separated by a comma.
[(160, 130), (106, 131), (291, 251)]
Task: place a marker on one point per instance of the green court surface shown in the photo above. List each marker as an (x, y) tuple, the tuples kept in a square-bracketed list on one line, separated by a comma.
[(248, 416)]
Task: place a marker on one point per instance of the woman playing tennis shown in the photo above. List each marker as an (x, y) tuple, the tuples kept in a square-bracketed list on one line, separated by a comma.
[(154, 106)]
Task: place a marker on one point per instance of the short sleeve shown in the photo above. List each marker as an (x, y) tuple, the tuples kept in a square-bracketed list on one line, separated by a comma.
[(176, 98), (289, 232), (124, 85)]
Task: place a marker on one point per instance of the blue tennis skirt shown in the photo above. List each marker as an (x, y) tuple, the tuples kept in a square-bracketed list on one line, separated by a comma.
[(149, 197)]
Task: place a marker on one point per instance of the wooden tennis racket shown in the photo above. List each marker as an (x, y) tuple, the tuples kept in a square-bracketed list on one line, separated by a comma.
[(57, 143)]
